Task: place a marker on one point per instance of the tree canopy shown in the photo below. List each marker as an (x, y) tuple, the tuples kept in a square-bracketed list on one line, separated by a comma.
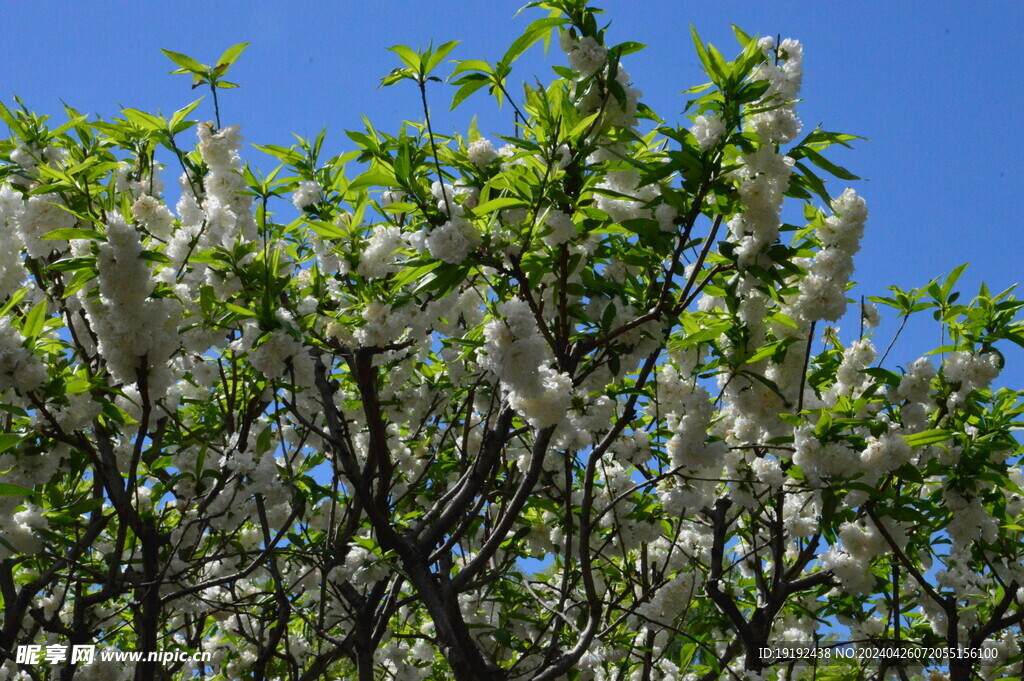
[(561, 403)]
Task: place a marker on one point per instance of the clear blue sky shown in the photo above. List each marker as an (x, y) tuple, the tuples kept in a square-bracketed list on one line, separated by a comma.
[(936, 86)]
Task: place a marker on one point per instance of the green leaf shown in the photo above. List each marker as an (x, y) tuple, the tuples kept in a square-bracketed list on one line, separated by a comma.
[(534, 32), (83, 507), (443, 50), (232, 54), (928, 437), (827, 165), (146, 121), (69, 233), (73, 122), (395, 76), (702, 52), (7, 117), (752, 91), (741, 36), (411, 274), (15, 299), (824, 423), (763, 352), (628, 47), (811, 181), (951, 280), (472, 65), (35, 320), (179, 116), (9, 490), (408, 56), (186, 62), (8, 440), (374, 177), (327, 229), (468, 88), (240, 310), (498, 204), (290, 156)]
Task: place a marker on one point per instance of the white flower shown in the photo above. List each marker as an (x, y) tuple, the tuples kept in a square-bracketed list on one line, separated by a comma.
[(769, 472), (845, 227), (219, 149), (564, 156), (550, 405), (391, 196), (154, 216), (226, 210), (513, 346), (708, 129), (307, 194), (12, 268), (562, 228), (445, 195), (780, 123), (972, 372), (585, 55), (20, 368), (280, 356), (481, 153), (378, 258), (130, 325), (43, 214), (886, 453), (453, 241), (916, 383), (820, 298)]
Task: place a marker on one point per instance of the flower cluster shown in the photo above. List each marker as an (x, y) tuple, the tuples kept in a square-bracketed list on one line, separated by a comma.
[(137, 333)]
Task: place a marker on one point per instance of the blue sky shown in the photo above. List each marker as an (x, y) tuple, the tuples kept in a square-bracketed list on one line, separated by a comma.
[(936, 86)]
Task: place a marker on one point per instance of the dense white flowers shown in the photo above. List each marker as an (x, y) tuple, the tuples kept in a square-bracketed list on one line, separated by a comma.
[(690, 412), (968, 519), (42, 214), (561, 228), (546, 404), (280, 356), (585, 54), (708, 129), (154, 216), (377, 260), (850, 378), (849, 561), (307, 194), (886, 453), (823, 290), (481, 153), (778, 123), (513, 346), (227, 209), (916, 383), (516, 353), (12, 270), (19, 531), (969, 372), (20, 368), (627, 183), (137, 333), (764, 177), (844, 229), (453, 241), (870, 315), (378, 388)]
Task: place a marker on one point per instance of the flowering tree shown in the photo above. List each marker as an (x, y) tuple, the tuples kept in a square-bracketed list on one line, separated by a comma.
[(564, 409)]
